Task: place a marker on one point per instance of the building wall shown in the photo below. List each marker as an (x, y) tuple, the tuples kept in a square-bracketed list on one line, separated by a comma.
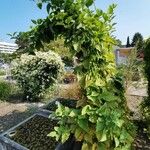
[(7, 47), (121, 55)]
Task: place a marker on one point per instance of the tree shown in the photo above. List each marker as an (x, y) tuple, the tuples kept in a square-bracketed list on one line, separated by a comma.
[(128, 42), (100, 120), (119, 43), (58, 47), (138, 42), (23, 42)]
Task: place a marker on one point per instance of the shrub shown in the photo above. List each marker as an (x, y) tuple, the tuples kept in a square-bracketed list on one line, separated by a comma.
[(5, 90), (132, 70), (101, 119), (36, 73), (146, 103)]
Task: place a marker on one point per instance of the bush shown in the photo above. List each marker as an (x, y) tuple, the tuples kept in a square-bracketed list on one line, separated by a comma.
[(146, 103), (36, 73), (5, 90)]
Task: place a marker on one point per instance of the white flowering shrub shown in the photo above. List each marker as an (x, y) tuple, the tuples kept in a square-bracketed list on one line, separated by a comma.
[(36, 73)]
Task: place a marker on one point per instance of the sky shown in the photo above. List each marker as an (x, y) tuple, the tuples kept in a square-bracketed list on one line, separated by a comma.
[(131, 16)]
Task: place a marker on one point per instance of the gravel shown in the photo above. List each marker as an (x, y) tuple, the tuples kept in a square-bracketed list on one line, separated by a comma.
[(13, 113)]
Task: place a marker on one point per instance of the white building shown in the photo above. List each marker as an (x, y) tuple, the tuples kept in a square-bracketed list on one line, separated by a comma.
[(8, 47), (121, 55)]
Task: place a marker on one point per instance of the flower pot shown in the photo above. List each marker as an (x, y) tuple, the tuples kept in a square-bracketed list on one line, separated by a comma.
[(70, 144)]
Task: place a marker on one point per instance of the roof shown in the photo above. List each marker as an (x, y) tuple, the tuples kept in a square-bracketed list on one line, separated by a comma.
[(124, 52)]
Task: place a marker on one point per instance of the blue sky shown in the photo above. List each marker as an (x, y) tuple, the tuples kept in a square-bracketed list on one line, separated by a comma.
[(131, 16)]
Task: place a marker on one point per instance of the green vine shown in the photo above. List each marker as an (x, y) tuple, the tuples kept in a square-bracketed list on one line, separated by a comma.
[(100, 120)]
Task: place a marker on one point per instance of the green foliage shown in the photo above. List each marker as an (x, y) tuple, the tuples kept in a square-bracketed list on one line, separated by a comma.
[(119, 43), (146, 103), (101, 118), (36, 73), (132, 70), (147, 64), (5, 58), (23, 41), (58, 47), (138, 42), (5, 90), (128, 42)]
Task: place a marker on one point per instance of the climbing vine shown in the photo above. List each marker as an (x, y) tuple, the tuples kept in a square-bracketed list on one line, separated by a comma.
[(100, 120)]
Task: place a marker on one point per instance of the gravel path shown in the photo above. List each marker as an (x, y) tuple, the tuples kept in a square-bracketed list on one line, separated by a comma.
[(13, 113)]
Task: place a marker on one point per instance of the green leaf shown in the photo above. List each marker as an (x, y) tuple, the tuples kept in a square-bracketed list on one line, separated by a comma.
[(65, 137), (102, 146), (110, 9), (39, 5), (59, 111), (72, 114), (83, 123), (105, 17), (52, 134), (99, 126), (94, 146), (108, 96), (34, 21), (85, 146), (80, 26), (88, 138), (75, 46), (116, 141), (94, 93), (48, 7), (119, 123), (85, 109), (98, 47), (78, 134), (89, 3), (104, 137)]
